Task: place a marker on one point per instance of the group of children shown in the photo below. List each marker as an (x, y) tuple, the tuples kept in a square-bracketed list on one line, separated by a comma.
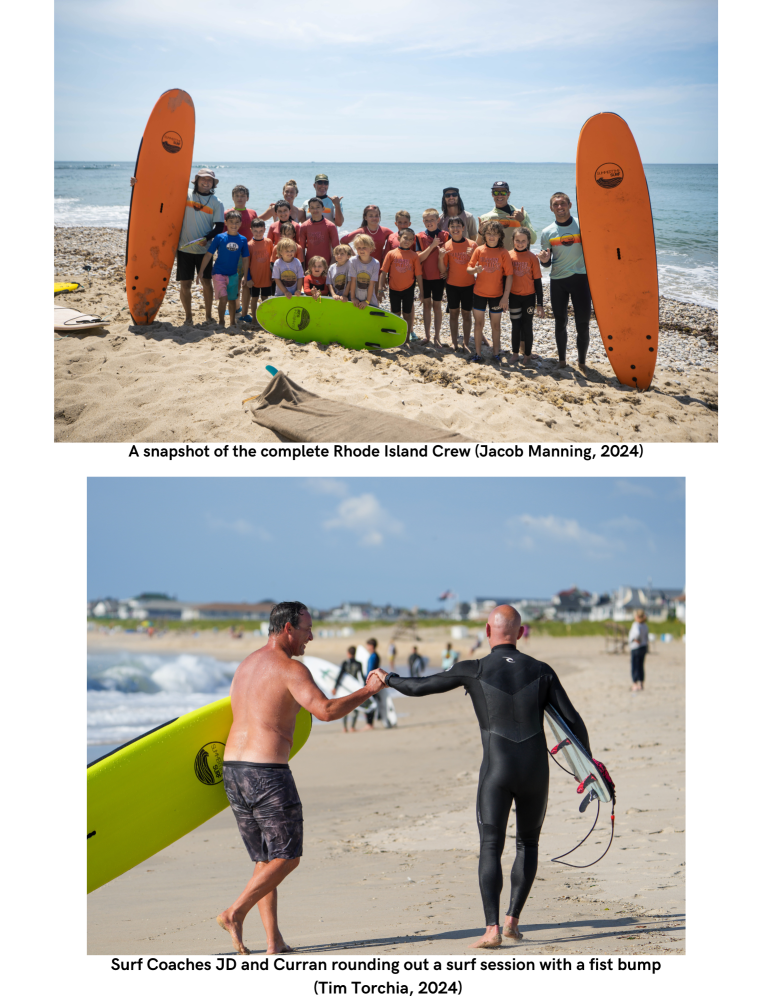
[(307, 258)]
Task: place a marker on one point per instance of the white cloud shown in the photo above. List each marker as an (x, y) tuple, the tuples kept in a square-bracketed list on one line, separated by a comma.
[(327, 487), (366, 518), (527, 530), (629, 487)]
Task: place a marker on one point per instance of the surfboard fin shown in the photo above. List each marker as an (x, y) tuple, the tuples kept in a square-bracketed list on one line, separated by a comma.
[(586, 800)]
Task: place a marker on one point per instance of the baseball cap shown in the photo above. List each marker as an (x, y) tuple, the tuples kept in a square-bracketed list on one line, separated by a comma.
[(206, 172), (500, 185), (322, 177)]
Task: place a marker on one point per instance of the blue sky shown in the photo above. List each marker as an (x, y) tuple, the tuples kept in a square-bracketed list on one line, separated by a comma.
[(399, 540), (373, 83)]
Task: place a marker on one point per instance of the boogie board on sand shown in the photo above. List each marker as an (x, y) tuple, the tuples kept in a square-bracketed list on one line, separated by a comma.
[(72, 321), (618, 242), (157, 204), (306, 319), (574, 756), (155, 789)]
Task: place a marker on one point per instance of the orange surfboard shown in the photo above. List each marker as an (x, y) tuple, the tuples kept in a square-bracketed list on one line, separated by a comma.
[(157, 203), (618, 242)]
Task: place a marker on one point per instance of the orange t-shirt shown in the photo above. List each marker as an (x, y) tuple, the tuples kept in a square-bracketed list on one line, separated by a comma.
[(525, 270), (496, 265), (457, 260), (259, 262), (275, 255), (402, 266)]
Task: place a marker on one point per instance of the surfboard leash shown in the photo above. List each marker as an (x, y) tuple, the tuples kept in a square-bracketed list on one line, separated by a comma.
[(610, 785)]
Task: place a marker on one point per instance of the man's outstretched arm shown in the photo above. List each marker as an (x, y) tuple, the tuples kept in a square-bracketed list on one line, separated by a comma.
[(302, 687), (439, 683)]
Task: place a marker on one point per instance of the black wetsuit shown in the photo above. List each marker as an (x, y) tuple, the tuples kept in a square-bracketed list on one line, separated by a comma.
[(509, 691)]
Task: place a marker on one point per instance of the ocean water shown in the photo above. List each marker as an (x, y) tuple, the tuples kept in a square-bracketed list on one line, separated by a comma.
[(129, 694), (684, 199)]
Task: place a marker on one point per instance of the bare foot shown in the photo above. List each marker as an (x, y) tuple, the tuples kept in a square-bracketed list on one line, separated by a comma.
[(234, 928), (489, 941), (562, 364), (279, 947), (583, 368), (511, 930), (188, 320)]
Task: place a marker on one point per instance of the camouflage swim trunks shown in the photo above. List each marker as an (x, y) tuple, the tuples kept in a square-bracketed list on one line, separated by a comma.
[(268, 811)]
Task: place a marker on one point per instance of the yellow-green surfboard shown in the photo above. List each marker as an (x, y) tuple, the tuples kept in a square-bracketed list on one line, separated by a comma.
[(157, 788)]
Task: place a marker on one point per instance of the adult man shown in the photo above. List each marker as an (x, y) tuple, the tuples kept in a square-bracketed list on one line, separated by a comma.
[(331, 210), (453, 208), (350, 667), (318, 236), (502, 210), (267, 691), (509, 691), (562, 251), (415, 662)]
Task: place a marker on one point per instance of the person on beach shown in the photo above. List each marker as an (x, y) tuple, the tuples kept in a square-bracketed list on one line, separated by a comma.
[(509, 691), (511, 218), (203, 220), (526, 295), (363, 271), (240, 195), (289, 193), (318, 237), (315, 281), (403, 270), (453, 208), (562, 251), (373, 666), (231, 253), (268, 689), (392, 655), (401, 221), (491, 266), (331, 205), (283, 219), (638, 640), (449, 657), (259, 280), (287, 230), (337, 274), (428, 244), (454, 259), (371, 226), (287, 271), (350, 667), (415, 662)]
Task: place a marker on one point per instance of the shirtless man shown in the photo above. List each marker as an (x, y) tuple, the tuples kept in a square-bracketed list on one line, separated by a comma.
[(509, 691), (268, 690)]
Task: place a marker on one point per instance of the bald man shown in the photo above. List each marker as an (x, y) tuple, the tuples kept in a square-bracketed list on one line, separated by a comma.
[(509, 692)]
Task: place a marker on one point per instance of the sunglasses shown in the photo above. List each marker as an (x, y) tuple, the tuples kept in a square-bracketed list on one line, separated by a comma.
[(452, 194), (500, 194)]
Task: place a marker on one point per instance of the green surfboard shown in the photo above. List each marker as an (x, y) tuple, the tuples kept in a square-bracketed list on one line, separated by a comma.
[(306, 319), (150, 792)]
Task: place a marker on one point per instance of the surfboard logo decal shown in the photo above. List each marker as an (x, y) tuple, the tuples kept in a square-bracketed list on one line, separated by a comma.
[(609, 175), (208, 763), (171, 141), (298, 318)]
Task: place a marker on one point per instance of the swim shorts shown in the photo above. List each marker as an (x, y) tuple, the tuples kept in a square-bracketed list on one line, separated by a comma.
[(226, 286), (189, 263), (480, 302), (268, 811), (433, 288), (402, 301), (460, 296), (266, 292)]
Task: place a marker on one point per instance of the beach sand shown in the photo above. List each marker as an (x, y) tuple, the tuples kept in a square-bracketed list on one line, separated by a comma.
[(393, 812), (173, 383)]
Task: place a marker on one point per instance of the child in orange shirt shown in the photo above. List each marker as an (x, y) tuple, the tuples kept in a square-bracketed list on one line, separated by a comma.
[(315, 281), (403, 269), (454, 259), (258, 280), (492, 268), (526, 294)]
